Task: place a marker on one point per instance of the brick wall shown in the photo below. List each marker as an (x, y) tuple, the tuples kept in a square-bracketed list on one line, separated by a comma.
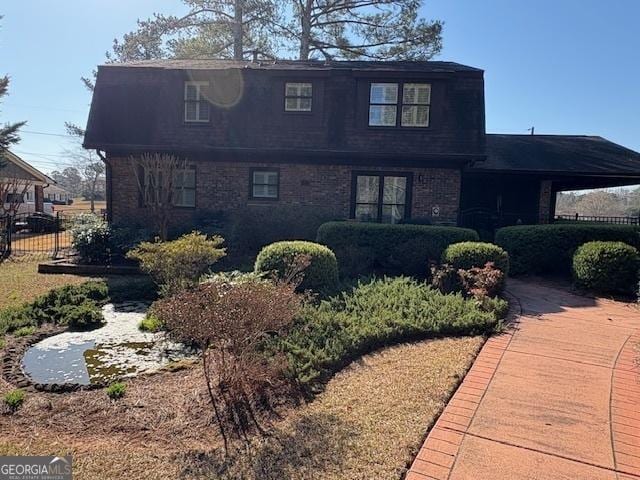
[(544, 210), (225, 186)]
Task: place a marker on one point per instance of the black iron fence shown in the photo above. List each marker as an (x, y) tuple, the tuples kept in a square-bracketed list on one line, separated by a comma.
[(38, 234)]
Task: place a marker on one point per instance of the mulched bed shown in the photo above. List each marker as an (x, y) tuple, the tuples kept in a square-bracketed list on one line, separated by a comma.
[(368, 423)]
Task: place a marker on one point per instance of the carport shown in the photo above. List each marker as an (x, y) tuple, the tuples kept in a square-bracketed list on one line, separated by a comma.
[(519, 180)]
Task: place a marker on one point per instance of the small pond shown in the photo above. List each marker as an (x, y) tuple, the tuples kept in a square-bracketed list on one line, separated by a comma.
[(115, 350)]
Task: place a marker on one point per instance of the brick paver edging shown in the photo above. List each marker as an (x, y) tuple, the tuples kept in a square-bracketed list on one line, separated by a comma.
[(437, 456), (625, 410)]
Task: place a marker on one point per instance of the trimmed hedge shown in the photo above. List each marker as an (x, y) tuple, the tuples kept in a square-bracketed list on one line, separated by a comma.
[(362, 248), (550, 248), (467, 255), (608, 267), (322, 273)]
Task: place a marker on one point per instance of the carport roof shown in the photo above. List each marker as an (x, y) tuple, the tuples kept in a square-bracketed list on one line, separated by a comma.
[(574, 155)]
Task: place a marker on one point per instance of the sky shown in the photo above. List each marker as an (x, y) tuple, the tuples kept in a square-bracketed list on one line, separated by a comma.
[(561, 66)]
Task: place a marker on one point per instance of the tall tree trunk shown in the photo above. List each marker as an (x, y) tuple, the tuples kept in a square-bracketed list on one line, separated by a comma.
[(238, 30), (305, 39)]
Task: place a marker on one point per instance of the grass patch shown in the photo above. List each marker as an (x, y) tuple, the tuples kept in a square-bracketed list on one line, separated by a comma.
[(14, 399), (25, 331), (116, 390), (150, 323)]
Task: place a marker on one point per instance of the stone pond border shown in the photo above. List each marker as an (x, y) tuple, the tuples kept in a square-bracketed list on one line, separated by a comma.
[(11, 364)]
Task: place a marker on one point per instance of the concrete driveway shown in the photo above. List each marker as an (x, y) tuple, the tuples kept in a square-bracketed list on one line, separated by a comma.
[(555, 397)]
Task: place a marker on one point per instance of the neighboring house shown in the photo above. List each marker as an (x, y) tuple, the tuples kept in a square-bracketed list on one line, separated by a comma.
[(22, 185), (57, 195), (363, 140)]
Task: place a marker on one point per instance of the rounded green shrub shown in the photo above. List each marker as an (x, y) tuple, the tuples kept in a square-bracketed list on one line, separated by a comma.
[(608, 267), (467, 255), (320, 275)]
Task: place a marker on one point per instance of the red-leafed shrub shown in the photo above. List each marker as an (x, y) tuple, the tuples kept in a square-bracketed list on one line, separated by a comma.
[(230, 322), (480, 282)]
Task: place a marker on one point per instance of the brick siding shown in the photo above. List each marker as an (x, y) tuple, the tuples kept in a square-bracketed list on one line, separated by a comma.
[(224, 186)]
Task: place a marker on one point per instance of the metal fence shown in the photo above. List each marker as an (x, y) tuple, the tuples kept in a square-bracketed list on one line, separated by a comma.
[(26, 235), (599, 219)]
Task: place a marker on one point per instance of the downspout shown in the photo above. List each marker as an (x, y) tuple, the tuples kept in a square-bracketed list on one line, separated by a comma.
[(109, 184)]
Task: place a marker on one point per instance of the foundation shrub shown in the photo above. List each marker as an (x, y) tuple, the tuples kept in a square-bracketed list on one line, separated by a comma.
[(535, 249), (394, 249)]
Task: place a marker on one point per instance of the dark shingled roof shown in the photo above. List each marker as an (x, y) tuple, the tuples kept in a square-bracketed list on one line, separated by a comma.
[(212, 64), (560, 154)]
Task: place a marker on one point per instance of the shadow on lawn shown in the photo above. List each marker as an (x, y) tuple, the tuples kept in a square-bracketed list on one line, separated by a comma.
[(313, 444)]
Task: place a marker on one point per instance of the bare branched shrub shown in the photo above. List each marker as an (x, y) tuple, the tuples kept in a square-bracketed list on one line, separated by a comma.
[(230, 322), (155, 177)]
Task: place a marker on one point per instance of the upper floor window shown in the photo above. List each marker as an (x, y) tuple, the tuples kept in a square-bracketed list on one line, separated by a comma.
[(297, 97), (385, 103), (196, 106)]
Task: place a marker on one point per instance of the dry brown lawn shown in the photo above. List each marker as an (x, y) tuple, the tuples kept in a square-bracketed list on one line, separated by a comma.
[(80, 204), (21, 281), (43, 243), (367, 424)]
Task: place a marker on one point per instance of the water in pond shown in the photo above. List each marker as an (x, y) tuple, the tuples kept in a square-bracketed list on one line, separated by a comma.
[(115, 350)]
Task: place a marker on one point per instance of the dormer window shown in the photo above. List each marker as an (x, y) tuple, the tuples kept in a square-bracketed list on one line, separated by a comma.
[(416, 100), (388, 109), (297, 97), (383, 104), (196, 106)]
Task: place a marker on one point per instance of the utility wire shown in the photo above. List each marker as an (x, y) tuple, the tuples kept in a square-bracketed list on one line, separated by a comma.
[(32, 132)]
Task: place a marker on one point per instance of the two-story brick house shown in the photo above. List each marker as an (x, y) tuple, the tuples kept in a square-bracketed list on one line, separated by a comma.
[(371, 141)]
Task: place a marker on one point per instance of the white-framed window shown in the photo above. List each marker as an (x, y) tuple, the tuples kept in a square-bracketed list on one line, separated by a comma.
[(416, 100), (383, 104), (184, 187), (265, 184), (298, 96), (413, 105), (196, 106)]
